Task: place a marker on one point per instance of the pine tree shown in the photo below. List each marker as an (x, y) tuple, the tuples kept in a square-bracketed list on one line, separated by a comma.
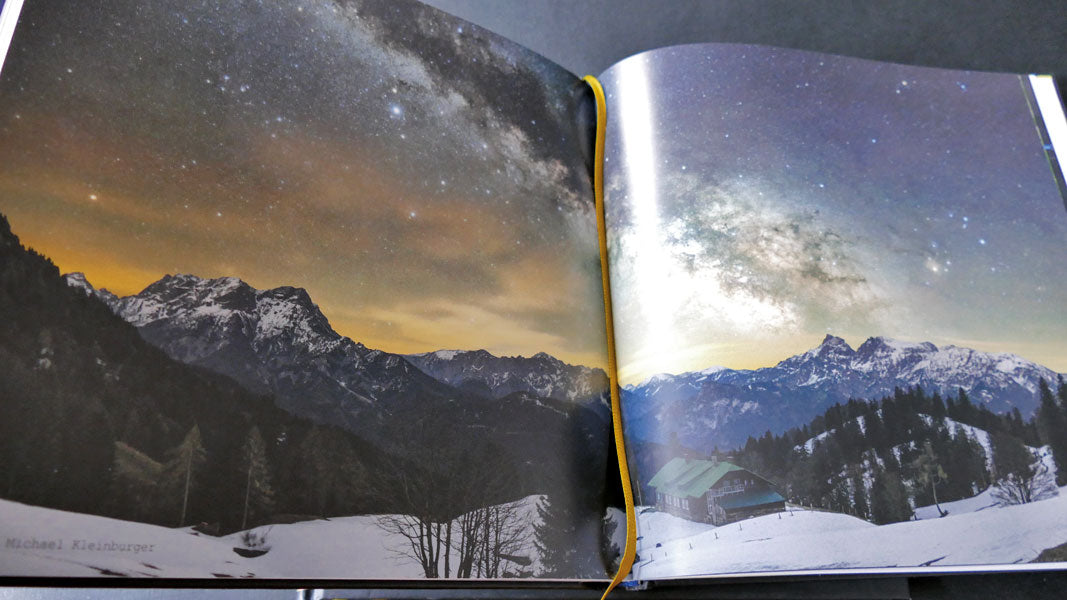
[(964, 407), (965, 463), (555, 537), (859, 493), (1052, 429), (134, 484), (889, 499), (929, 472), (937, 406), (1017, 427), (875, 431), (315, 473), (178, 472), (259, 494)]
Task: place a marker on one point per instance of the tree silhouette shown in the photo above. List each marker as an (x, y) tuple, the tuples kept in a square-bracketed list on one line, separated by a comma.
[(454, 504), (929, 472), (259, 494), (1020, 477), (178, 470)]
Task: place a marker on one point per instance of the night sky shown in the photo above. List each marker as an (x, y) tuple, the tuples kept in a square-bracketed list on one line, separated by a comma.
[(419, 176), (775, 196)]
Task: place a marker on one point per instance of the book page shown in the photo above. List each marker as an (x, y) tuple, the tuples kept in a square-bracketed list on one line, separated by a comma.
[(839, 311), (295, 290)]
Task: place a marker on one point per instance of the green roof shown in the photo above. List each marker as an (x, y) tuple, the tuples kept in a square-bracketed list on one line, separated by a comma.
[(690, 478), (669, 472)]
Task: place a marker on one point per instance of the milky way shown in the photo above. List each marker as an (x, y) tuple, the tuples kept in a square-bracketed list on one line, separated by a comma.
[(419, 176), (797, 194)]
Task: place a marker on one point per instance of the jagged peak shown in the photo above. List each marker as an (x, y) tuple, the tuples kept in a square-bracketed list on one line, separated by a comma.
[(219, 286), (832, 341), (180, 278), (76, 276), (78, 280), (657, 378), (830, 345), (285, 292), (881, 344), (6, 235)]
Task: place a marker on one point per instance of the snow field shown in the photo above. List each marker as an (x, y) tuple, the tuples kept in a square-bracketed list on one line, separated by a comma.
[(815, 540), (164, 552), (57, 543), (982, 501)]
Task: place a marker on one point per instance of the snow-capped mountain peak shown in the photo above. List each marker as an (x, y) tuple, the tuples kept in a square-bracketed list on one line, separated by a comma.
[(658, 378), (887, 348), (832, 348), (77, 280), (728, 405), (274, 341), (498, 376), (445, 354), (231, 307)]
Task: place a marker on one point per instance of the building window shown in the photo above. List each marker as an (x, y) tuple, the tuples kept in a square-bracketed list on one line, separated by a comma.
[(734, 488)]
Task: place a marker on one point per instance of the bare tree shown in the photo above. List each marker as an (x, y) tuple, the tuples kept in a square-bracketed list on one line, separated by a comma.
[(451, 497), (1021, 477), (499, 542)]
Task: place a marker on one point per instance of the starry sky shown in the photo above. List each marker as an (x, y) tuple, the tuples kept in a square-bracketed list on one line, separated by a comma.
[(418, 175), (762, 198)]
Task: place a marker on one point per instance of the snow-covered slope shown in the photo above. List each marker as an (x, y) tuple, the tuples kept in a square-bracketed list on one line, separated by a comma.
[(725, 406), (982, 501), (59, 543), (47, 542), (498, 376), (807, 540)]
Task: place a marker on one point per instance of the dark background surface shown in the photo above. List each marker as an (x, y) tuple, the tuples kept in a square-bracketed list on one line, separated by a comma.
[(588, 36)]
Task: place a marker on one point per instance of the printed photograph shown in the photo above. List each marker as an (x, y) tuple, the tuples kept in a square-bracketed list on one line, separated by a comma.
[(295, 290), (839, 309)]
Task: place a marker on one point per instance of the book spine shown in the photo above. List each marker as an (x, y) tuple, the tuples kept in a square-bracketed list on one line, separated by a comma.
[(630, 550)]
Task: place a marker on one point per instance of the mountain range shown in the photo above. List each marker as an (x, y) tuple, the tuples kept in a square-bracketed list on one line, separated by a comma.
[(498, 376), (721, 406), (277, 342)]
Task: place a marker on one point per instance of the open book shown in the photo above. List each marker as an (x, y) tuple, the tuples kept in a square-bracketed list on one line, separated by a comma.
[(313, 291)]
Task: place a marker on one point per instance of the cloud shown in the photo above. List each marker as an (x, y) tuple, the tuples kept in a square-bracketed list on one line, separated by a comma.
[(394, 161)]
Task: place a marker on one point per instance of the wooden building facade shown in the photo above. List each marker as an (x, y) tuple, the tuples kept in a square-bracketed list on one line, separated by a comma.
[(713, 491)]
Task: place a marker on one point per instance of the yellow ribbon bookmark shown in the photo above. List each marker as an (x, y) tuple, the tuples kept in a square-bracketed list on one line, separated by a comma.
[(630, 551)]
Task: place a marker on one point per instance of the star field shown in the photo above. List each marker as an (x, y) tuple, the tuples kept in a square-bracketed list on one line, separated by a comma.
[(419, 176), (799, 194)]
